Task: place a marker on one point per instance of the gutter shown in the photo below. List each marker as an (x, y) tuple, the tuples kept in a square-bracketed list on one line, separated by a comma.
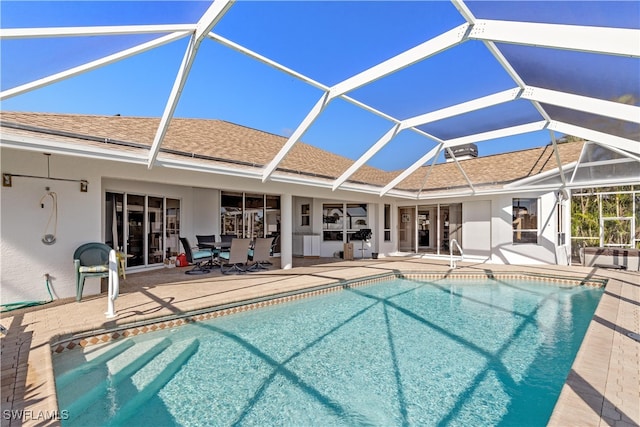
[(128, 144)]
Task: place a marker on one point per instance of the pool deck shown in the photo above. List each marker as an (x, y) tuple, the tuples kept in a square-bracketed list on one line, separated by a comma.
[(603, 386)]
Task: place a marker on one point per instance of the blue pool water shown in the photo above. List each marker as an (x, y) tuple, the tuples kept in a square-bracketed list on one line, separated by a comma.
[(403, 352)]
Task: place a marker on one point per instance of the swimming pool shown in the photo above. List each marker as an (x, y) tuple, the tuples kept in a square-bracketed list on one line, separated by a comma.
[(400, 352)]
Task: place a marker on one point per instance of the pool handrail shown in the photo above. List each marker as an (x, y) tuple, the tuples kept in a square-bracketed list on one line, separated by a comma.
[(114, 284), (452, 262)]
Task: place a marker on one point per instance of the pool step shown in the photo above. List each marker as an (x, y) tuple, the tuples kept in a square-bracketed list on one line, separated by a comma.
[(91, 360), (149, 380), (94, 385)]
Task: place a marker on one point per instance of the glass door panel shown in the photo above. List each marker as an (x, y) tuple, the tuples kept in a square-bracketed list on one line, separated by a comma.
[(427, 231), (254, 216), (155, 241), (135, 232), (455, 226), (273, 221), (173, 227), (406, 230), (231, 214), (637, 221), (114, 220), (443, 235)]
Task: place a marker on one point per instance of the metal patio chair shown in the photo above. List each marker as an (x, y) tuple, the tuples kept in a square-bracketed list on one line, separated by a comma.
[(260, 254), (201, 258), (237, 257)]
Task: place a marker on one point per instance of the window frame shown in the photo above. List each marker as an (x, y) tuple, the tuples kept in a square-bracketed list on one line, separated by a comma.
[(305, 215), (525, 204), (345, 224), (387, 223)]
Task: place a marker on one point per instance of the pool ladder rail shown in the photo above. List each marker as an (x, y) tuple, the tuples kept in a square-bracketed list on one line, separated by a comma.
[(452, 261), (114, 284)]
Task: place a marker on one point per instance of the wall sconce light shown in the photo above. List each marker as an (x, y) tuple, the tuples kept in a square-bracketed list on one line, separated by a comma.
[(84, 186), (6, 180)]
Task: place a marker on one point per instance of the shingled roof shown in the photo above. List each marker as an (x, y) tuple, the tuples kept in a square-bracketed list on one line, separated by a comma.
[(221, 141), (492, 171)]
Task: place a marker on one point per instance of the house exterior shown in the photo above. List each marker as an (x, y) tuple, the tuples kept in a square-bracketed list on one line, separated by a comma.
[(85, 178)]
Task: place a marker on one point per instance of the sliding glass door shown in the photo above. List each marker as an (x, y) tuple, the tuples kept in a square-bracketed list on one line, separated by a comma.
[(436, 225), (406, 229), (455, 228), (114, 220), (144, 228), (134, 245), (427, 229), (272, 223), (253, 216), (155, 235), (173, 227)]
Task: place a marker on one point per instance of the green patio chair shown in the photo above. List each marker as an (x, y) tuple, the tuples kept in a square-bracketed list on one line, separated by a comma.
[(90, 260)]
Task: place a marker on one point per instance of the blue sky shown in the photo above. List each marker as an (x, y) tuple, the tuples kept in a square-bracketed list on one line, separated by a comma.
[(327, 41)]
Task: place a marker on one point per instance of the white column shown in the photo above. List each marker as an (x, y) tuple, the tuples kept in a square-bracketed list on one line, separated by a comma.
[(286, 231)]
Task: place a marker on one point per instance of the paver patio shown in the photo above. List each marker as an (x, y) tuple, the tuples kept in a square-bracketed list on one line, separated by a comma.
[(603, 387)]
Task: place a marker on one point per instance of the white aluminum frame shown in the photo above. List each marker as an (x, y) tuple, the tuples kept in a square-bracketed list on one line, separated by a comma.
[(599, 40)]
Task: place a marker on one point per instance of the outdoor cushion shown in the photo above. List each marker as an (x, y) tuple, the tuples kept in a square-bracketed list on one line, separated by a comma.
[(94, 269), (201, 254)]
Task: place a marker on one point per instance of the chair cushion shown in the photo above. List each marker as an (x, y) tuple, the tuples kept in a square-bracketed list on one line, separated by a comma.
[(224, 255), (201, 254), (94, 269)]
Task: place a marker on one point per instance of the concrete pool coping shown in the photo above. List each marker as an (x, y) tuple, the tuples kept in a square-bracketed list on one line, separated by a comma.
[(602, 387)]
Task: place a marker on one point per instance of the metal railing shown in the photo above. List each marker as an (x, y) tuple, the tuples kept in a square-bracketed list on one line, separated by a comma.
[(452, 262), (114, 284)]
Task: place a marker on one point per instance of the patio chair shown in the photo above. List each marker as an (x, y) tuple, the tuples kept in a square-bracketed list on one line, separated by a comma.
[(201, 258), (205, 240), (90, 260), (260, 253), (209, 242), (236, 258), (227, 237), (274, 245)]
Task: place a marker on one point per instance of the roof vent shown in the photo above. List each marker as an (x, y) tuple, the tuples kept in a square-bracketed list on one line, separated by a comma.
[(462, 152)]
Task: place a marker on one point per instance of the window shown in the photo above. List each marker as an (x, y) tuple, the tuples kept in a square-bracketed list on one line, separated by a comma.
[(525, 220), (231, 213), (387, 223), (339, 220), (356, 218), (305, 215), (248, 215), (332, 221)]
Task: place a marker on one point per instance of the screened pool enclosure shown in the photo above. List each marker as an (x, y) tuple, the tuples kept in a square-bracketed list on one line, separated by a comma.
[(392, 85)]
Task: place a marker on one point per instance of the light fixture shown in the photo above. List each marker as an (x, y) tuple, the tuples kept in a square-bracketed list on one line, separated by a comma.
[(84, 186), (6, 180)]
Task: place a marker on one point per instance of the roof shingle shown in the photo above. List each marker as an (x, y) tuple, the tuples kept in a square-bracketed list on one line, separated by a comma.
[(231, 142)]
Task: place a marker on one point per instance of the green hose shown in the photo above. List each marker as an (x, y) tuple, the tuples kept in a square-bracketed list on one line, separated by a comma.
[(16, 305)]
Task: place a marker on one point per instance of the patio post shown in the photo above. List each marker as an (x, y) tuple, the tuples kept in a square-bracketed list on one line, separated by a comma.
[(286, 231)]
